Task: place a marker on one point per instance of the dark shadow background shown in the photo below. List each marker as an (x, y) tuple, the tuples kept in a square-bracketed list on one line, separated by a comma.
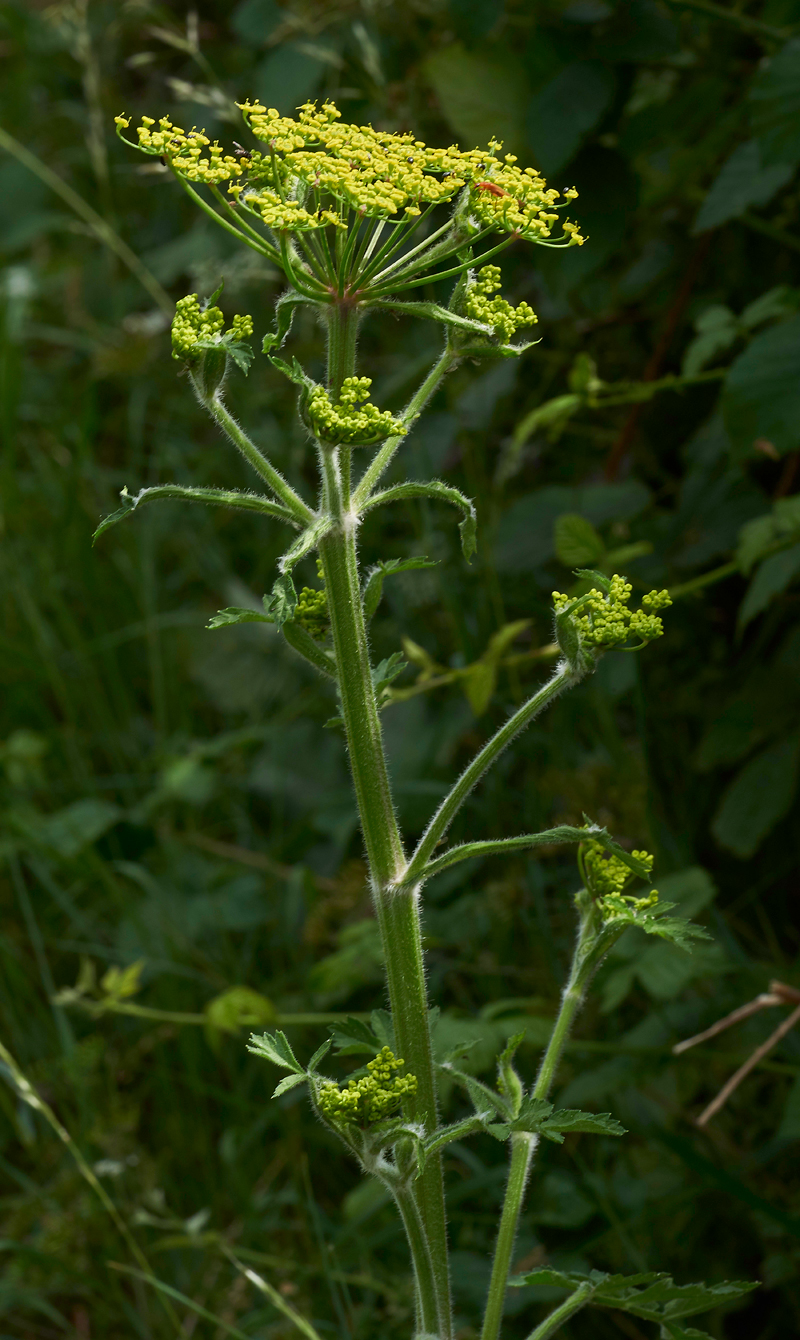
[(168, 793)]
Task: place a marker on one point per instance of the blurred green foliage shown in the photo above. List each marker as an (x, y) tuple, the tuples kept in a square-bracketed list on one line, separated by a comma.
[(173, 815)]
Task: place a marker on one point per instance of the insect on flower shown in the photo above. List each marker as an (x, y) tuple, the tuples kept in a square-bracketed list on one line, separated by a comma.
[(490, 186)]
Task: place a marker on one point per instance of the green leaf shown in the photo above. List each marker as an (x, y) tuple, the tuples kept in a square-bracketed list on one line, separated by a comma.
[(536, 1116), (565, 1120), (654, 1297), (479, 97), (775, 106), (322, 1050), (354, 1038), (121, 983), (577, 542), (763, 533), (373, 587), (294, 371), (743, 181), (288, 1082), (284, 315), (553, 415), (762, 390), (69, 830), (275, 1047), (235, 614), (480, 679), (468, 529), (566, 109), (717, 329), (385, 672), (283, 601), (757, 799), (773, 577), (113, 518), (239, 1007), (241, 353)]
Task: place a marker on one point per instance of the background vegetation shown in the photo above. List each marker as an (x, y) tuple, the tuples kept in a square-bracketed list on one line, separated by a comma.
[(169, 794)]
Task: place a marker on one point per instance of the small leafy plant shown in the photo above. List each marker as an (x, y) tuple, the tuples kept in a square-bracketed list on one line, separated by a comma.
[(356, 218)]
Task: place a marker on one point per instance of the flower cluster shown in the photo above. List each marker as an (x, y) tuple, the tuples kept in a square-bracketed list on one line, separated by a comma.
[(504, 319), (603, 619), (312, 609), (317, 169), (194, 328), (352, 420), (374, 1097), (606, 876), (184, 151)]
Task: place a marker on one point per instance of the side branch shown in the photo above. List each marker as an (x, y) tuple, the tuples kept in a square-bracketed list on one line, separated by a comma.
[(441, 493), (413, 409), (563, 678), (292, 501), (244, 502), (563, 833)]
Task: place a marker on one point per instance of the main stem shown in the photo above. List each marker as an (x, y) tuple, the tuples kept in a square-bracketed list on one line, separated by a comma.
[(523, 1147), (397, 912)]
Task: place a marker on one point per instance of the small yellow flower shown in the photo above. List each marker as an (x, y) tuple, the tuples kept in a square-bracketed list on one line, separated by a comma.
[(374, 1097)]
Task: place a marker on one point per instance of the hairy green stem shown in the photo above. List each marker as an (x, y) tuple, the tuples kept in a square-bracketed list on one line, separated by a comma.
[(523, 1145), (257, 459), (568, 1308), (428, 1319), (472, 774), (411, 413), (522, 1149), (397, 910)]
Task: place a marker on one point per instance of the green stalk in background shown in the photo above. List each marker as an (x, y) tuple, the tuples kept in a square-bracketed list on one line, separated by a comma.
[(355, 217)]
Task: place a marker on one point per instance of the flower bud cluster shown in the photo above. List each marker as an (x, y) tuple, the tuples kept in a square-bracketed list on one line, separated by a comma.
[(312, 609), (195, 327), (374, 1097), (352, 420), (504, 319), (607, 876), (604, 620)]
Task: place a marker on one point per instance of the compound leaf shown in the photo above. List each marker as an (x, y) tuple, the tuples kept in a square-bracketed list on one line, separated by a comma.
[(275, 1047)]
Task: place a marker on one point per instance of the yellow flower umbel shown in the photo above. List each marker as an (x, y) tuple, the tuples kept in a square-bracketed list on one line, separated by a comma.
[(606, 876), (504, 319), (602, 619), (319, 176), (312, 609), (352, 419), (195, 328), (374, 1097)]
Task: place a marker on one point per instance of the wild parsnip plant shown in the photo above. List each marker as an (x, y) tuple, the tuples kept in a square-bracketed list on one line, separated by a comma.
[(356, 218)]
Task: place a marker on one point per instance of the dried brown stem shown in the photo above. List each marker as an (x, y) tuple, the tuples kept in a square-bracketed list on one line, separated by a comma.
[(743, 1012), (752, 1061)]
